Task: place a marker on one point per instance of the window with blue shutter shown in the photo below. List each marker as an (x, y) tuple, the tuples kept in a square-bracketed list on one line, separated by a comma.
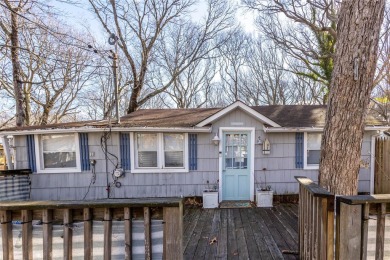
[(124, 144), (31, 153), (299, 150), (193, 151), (84, 152)]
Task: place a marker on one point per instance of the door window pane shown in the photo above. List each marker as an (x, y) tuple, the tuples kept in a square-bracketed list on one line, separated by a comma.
[(147, 150), (59, 151), (174, 150), (236, 146)]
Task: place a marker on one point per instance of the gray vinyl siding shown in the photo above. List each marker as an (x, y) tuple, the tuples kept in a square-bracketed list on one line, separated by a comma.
[(276, 169)]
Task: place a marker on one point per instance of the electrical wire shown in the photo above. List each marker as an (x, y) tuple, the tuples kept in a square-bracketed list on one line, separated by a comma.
[(93, 180)]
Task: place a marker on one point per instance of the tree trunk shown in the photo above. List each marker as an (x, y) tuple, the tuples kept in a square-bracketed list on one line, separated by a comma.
[(133, 104), (18, 85), (351, 85)]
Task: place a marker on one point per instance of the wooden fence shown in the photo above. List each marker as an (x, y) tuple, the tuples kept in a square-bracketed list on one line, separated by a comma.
[(69, 212), (317, 218), (382, 165)]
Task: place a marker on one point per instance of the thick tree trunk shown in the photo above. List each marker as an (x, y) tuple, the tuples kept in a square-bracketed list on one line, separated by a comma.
[(18, 85), (352, 81)]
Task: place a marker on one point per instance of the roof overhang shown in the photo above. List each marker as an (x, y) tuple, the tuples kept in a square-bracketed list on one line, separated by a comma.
[(315, 129), (113, 129), (238, 104)]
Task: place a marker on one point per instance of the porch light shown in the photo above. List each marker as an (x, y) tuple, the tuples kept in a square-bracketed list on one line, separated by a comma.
[(216, 139)]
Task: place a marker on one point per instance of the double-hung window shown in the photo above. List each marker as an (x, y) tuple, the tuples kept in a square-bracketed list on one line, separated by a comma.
[(312, 150), (58, 153), (160, 152)]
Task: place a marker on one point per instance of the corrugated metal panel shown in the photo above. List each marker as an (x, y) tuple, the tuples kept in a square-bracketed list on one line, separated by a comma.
[(31, 153), (193, 151), (124, 143), (84, 152), (14, 187), (118, 240), (299, 150)]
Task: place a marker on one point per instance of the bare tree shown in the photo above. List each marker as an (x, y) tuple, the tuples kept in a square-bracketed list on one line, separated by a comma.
[(140, 26), (308, 34), (11, 30), (232, 62), (52, 72), (352, 82)]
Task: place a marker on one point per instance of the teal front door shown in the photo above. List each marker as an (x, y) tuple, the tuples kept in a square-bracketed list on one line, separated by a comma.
[(236, 166)]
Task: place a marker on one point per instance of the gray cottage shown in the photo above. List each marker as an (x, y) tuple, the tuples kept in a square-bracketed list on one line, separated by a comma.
[(180, 152)]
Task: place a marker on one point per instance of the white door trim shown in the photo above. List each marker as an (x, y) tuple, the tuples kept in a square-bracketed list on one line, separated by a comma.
[(252, 158)]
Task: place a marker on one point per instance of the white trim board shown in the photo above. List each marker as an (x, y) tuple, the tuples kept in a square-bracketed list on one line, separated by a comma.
[(113, 129), (315, 129), (238, 104)]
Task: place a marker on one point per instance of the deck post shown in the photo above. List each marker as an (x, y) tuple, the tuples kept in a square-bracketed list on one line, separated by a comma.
[(88, 246), (27, 234), (148, 234), (128, 233), (68, 233), (173, 232), (7, 237), (47, 227), (107, 233), (349, 231), (380, 229)]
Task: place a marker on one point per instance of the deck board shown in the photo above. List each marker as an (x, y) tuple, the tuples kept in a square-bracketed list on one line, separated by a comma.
[(246, 233)]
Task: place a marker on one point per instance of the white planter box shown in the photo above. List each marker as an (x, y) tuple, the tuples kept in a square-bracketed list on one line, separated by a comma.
[(264, 198), (210, 199)]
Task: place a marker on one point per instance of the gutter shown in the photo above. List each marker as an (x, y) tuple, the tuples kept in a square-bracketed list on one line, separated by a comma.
[(105, 129), (315, 129)]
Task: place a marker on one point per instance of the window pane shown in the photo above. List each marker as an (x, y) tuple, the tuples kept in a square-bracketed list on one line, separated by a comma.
[(174, 150), (313, 156), (61, 143), (59, 151), (147, 150), (147, 159), (314, 141), (59, 160)]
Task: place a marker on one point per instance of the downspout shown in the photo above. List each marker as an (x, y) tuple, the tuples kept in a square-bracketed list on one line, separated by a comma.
[(7, 152)]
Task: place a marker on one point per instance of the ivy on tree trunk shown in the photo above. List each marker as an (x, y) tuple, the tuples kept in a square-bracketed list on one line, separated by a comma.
[(350, 89)]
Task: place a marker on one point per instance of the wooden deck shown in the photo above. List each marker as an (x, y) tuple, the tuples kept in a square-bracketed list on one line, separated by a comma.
[(248, 233)]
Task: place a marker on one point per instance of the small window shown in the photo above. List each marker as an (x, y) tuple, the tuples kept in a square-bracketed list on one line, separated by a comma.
[(313, 149), (147, 150), (174, 150), (160, 152), (58, 153)]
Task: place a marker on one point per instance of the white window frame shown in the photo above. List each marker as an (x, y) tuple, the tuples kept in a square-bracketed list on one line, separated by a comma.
[(39, 156), (160, 155), (305, 165)]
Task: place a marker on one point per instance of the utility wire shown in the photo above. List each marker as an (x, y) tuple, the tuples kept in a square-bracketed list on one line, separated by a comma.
[(54, 33)]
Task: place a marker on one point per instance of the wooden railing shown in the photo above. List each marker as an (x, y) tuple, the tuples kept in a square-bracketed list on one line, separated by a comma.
[(352, 225), (316, 221), (317, 218), (69, 212)]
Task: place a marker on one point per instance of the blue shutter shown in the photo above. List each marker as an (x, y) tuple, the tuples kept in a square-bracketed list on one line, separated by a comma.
[(193, 151), (84, 152), (299, 150), (31, 153), (124, 144)]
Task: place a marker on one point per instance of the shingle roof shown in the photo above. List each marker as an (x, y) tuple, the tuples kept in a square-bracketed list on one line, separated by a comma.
[(284, 115)]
